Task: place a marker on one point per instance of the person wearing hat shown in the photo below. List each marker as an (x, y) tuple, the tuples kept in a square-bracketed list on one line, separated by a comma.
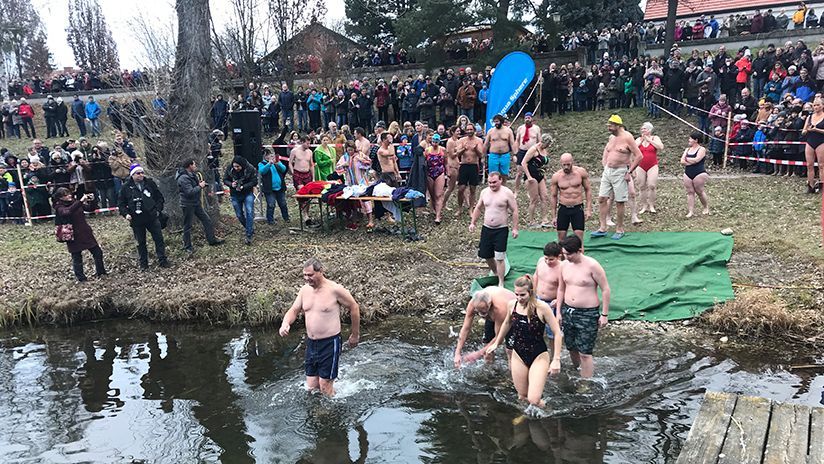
[(141, 203), (61, 116), (621, 157), (50, 115)]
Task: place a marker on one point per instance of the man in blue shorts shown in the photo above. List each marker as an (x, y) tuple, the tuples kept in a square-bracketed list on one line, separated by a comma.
[(321, 300), (499, 144), (546, 277)]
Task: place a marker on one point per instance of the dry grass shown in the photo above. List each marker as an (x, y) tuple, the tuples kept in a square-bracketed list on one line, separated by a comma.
[(759, 312)]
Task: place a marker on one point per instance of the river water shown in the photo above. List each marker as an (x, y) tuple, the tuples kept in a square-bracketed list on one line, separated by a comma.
[(130, 391)]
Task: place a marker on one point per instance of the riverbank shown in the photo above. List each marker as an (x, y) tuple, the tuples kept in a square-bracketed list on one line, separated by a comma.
[(775, 226)]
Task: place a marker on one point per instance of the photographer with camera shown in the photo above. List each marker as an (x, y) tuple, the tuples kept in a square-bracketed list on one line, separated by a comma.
[(73, 229), (141, 203), (80, 174)]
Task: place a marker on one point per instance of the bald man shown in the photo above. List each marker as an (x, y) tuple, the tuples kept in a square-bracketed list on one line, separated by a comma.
[(570, 198)]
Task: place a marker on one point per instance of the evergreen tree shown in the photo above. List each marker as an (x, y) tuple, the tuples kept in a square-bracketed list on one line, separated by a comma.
[(89, 37), (19, 24), (373, 22), (37, 60)]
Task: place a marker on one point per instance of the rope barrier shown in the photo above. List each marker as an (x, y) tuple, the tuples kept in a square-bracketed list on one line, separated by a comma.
[(771, 160)]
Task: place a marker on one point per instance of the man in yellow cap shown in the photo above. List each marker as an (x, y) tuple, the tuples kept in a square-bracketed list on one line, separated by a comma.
[(621, 157)]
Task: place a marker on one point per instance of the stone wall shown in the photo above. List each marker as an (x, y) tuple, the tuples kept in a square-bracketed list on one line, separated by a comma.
[(810, 36)]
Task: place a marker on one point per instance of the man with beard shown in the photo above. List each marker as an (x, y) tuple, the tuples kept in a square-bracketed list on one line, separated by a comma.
[(621, 157), (499, 145)]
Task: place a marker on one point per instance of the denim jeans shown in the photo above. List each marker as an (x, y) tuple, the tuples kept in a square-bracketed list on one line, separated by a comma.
[(81, 124), (278, 197), (289, 118), (340, 120), (95, 123), (245, 211), (470, 113), (758, 84), (118, 183), (303, 120)]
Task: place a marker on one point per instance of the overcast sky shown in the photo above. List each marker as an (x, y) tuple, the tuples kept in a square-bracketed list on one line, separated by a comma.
[(55, 13)]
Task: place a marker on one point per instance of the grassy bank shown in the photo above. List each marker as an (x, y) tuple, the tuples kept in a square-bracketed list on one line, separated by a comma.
[(776, 229)]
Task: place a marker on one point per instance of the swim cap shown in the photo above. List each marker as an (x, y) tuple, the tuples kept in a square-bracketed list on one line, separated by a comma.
[(615, 119), (436, 138)]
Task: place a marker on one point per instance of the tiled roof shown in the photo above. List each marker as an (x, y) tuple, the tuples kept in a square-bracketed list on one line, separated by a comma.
[(657, 9)]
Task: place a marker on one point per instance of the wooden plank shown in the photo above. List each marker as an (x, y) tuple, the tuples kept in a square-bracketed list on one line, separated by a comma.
[(816, 437), (708, 430), (787, 438), (747, 432)]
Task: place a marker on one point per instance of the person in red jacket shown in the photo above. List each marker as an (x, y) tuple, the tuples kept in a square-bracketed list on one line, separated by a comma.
[(382, 100), (744, 66), (26, 113)]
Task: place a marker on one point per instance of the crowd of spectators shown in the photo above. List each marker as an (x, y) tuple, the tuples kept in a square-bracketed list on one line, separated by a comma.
[(59, 82)]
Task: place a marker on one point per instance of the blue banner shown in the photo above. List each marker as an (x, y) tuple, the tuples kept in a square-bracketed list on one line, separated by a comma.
[(511, 77)]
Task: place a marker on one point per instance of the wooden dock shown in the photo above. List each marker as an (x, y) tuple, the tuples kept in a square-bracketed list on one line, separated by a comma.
[(733, 429)]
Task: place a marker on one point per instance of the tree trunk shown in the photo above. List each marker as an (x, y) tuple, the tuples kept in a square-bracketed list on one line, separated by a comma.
[(672, 11), (183, 131)]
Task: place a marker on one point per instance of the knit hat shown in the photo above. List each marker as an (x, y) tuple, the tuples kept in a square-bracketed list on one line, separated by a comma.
[(615, 119), (134, 169)]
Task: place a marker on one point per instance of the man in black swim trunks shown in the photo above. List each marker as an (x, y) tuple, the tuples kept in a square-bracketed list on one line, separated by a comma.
[(321, 300), (491, 304), (470, 152), (582, 313), (497, 201), (570, 190)]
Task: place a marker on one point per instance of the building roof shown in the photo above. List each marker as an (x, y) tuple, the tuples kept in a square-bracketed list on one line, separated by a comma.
[(656, 10), (315, 29)]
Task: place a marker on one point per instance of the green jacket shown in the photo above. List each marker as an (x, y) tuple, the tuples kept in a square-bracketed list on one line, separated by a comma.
[(324, 162)]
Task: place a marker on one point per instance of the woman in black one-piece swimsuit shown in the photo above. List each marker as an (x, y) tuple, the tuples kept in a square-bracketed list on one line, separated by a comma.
[(524, 332), (695, 176), (814, 150)]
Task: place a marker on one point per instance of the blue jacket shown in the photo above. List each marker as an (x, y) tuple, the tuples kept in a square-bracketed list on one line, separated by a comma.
[(270, 176), (314, 101), (772, 90), (804, 90), (483, 95), (92, 110), (758, 140)]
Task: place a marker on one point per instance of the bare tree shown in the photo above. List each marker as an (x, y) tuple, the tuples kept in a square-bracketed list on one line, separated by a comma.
[(288, 18), (245, 36), (19, 24), (89, 37), (183, 132)]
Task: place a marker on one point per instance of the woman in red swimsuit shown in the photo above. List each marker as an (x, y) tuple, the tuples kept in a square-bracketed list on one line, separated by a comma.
[(646, 175)]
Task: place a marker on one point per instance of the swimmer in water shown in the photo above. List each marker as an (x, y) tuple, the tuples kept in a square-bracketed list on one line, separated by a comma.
[(546, 277), (524, 333), (321, 300), (489, 303)]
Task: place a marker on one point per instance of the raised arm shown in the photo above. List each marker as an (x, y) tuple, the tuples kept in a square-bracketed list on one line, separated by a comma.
[(657, 143)]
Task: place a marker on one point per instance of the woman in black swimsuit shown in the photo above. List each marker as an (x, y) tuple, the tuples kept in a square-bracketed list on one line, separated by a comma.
[(524, 332), (695, 176), (533, 165), (814, 150)]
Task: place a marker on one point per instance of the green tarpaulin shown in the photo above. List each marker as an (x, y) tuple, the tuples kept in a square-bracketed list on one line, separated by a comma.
[(655, 276)]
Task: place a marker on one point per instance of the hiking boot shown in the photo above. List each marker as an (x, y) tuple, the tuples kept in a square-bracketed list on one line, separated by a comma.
[(248, 240), (218, 241), (165, 264)]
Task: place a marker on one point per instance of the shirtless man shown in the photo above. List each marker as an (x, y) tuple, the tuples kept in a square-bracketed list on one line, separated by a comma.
[(300, 163), (491, 304), (499, 145), (387, 156), (570, 198), (453, 162), (621, 157), (321, 300), (497, 201), (526, 137), (470, 152), (580, 315)]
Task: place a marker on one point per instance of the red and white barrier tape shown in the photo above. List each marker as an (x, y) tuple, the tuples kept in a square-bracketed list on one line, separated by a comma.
[(770, 160), (718, 116)]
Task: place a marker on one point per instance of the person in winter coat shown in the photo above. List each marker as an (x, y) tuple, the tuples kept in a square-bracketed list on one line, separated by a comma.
[(190, 184), (93, 115), (140, 202), (26, 113), (467, 96), (719, 113), (50, 115), (241, 178), (426, 109), (61, 116), (68, 210), (102, 175), (79, 114), (119, 164), (272, 172)]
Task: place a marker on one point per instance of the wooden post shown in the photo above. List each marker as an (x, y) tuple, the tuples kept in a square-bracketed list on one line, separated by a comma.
[(727, 141), (23, 192)]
